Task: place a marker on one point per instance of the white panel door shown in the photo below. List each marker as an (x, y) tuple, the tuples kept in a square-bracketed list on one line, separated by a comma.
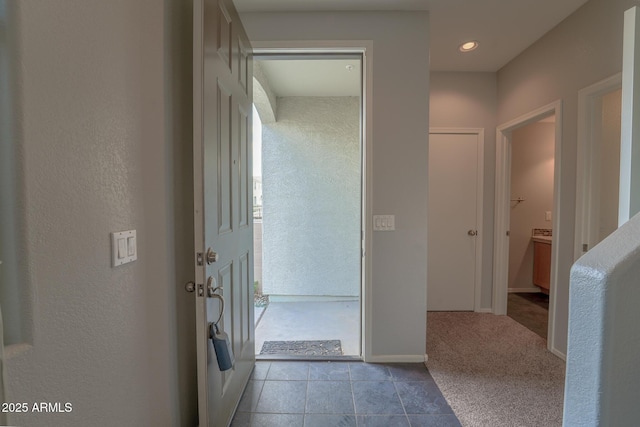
[(222, 204), (452, 221)]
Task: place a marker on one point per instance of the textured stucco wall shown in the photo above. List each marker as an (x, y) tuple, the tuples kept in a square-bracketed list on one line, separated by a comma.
[(105, 128), (532, 159), (603, 380), (311, 198)]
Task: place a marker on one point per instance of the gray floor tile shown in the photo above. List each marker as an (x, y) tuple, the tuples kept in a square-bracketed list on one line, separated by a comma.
[(322, 420), (434, 421), (329, 397), (241, 419), (290, 371), (286, 397), (260, 370), (422, 397), (250, 396), (369, 372), (329, 371), (409, 372), (383, 421), (376, 397), (277, 420)]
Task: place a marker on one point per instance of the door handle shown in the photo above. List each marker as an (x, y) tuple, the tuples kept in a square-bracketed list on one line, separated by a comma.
[(211, 289), (211, 293), (472, 232)]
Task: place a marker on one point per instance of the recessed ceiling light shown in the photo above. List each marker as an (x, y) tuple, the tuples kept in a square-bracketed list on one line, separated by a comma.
[(468, 46)]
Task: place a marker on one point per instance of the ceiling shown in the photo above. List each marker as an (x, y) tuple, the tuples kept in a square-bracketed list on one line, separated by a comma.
[(504, 28), (313, 77)]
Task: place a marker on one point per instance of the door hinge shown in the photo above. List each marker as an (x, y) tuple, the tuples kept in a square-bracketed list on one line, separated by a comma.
[(200, 259), (508, 233), (585, 247)]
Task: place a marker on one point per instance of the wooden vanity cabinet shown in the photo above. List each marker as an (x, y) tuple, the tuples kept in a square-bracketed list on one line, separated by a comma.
[(542, 265)]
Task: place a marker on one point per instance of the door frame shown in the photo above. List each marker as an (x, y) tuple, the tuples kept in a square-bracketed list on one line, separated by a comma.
[(364, 48), (502, 212), (479, 132), (586, 185)]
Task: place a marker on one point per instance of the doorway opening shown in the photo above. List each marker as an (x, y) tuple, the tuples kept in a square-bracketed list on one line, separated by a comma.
[(308, 204), (505, 200), (530, 219), (598, 176)]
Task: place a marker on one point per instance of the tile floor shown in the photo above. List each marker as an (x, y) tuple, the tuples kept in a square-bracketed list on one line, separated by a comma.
[(342, 394), (530, 310)]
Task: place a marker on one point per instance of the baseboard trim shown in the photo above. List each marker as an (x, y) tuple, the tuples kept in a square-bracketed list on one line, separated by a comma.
[(558, 353), (398, 358), (534, 289), (484, 310)]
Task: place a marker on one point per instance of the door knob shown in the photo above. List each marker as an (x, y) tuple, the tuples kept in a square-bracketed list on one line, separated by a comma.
[(211, 256), (472, 232), (190, 286)]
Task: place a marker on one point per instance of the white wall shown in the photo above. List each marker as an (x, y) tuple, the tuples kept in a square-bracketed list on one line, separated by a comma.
[(583, 49), (532, 160), (105, 118), (312, 198), (400, 134), (603, 380), (469, 100)]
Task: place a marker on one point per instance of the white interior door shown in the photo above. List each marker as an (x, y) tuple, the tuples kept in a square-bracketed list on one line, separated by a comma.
[(453, 228), (223, 218), (630, 140)]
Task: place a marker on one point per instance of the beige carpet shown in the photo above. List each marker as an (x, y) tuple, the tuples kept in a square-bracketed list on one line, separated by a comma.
[(494, 371)]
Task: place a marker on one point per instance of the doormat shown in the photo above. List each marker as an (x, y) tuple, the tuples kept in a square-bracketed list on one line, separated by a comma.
[(303, 348)]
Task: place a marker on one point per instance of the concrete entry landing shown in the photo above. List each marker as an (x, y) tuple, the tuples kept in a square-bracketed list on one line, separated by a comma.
[(297, 321)]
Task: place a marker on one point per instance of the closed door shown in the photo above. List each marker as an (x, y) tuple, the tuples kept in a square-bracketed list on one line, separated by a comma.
[(222, 195), (452, 222)]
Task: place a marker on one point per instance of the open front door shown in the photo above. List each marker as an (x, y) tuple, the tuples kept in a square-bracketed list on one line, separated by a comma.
[(223, 216)]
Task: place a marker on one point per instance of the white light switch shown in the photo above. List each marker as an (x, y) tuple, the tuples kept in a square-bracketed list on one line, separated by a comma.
[(131, 246), (547, 215), (123, 247), (384, 222)]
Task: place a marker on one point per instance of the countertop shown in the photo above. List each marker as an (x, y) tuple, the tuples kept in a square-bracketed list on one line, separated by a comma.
[(542, 239)]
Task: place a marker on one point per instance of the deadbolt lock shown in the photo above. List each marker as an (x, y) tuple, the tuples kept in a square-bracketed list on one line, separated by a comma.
[(211, 256)]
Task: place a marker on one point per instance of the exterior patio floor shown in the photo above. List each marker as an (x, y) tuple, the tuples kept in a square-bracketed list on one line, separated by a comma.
[(311, 321)]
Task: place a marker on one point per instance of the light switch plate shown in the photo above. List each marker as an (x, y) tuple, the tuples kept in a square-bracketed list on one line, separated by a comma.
[(123, 247), (384, 222)]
